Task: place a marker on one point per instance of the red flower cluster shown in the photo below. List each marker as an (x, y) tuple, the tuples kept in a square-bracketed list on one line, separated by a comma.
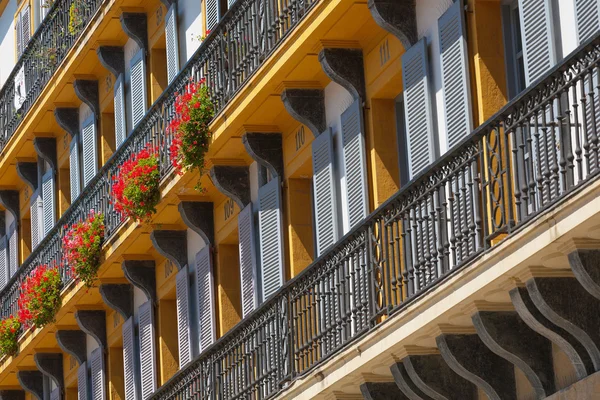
[(191, 134), (136, 188), (10, 328), (40, 296), (82, 245)]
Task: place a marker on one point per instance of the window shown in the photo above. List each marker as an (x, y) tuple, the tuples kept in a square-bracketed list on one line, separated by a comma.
[(402, 144), (515, 62)]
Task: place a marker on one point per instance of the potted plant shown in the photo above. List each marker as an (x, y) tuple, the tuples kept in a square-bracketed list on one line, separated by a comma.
[(190, 128), (40, 296), (136, 187), (76, 17), (82, 245), (10, 328)]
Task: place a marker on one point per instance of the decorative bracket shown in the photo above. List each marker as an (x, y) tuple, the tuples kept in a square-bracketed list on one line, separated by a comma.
[(2, 227), (112, 58), (73, 343), (119, 297), (45, 148), (68, 119), (12, 395), (199, 217), (32, 382), (141, 274), (381, 391), (93, 322), (28, 173), (345, 67), (87, 91), (405, 383), (171, 244), (399, 17), (233, 182), (51, 365), (135, 26), (306, 106), (10, 200), (266, 149)]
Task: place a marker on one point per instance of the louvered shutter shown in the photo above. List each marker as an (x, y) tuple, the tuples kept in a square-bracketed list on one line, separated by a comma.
[(183, 317), (48, 201), (147, 350), (129, 362), (355, 164), (206, 300), (455, 74), (247, 260), (324, 191), (97, 373), (13, 249), (232, 2), (172, 43), (138, 87), (82, 391), (19, 34), (538, 37), (74, 168), (271, 237), (417, 108), (4, 273), (35, 220), (587, 15), (55, 394), (90, 150), (212, 14), (120, 123), (26, 26)]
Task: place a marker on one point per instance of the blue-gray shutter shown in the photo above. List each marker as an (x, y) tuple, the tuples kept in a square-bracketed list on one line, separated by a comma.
[(587, 15), (35, 219), (74, 168), (129, 359), (19, 35), (90, 150), (98, 376), (270, 227), (417, 108), (183, 317), (119, 99), (4, 273), (249, 283), (172, 43), (232, 2), (212, 14), (55, 394), (537, 33), (26, 26), (324, 191), (13, 249), (147, 350), (82, 386), (455, 74), (48, 201), (206, 299), (138, 87), (355, 163)]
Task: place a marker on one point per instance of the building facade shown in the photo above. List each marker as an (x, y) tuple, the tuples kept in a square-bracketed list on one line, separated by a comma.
[(398, 201)]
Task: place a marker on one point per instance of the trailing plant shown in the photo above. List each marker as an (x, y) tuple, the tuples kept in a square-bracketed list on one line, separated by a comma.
[(40, 296), (82, 245), (191, 134), (76, 16), (10, 328), (136, 187)]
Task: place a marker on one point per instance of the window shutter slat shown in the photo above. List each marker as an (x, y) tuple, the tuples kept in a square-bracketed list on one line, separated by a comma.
[(172, 43), (55, 394), (4, 273), (129, 363), (324, 191), (120, 123), (587, 15), (26, 26), (19, 35), (183, 317), (48, 201), (82, 393), (247, 260), (13, 249), (417, 108), (212, 14), (138, 87), (355, 164), (147, 350), (206, 300), (90, 151), (97, 372), (538, 38), (35, 219), (74, 169), (455, 74), (271, 237)]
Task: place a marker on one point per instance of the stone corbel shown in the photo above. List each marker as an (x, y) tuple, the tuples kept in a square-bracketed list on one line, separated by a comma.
[(93, 322), (32, 382), (171, 244), (233, 182), (119, 297), (399, 17), (51, 365), (45, 147), (68, 119), (27, 171), (141, 274), (2, 227), (12, 395), (112, 58), (585, 264), (10, 200), (306, 106), (381, 391), (135, 26), (345, 67), (72, 342), (266, 149), (87, 91), (199, 217), (405, 383)]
